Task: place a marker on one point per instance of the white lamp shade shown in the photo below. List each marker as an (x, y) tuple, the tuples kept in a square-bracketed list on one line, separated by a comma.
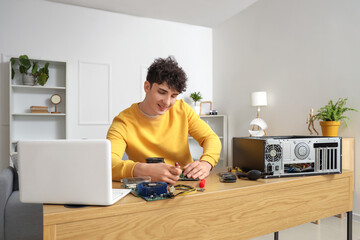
[(258, 99)]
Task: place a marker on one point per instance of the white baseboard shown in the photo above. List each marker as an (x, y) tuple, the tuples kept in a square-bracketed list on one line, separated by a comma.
[(356, 217)]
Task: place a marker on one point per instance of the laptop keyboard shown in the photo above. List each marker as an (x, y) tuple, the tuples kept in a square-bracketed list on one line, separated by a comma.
[(117, 194)]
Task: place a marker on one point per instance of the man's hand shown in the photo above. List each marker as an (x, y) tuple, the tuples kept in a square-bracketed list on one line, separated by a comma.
[(197, 169), (159, 172)]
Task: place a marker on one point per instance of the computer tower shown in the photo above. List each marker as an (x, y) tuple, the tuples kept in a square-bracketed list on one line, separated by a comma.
[(284, 156)]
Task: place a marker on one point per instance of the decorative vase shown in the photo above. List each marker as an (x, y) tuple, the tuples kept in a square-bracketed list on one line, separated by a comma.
[(28, 79), (197, 109), (330, 128)]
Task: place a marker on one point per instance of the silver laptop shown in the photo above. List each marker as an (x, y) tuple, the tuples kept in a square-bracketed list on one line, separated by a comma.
[(67, 172)]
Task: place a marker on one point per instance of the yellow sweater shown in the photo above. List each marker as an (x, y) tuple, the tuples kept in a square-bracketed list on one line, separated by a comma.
[(163, 136)]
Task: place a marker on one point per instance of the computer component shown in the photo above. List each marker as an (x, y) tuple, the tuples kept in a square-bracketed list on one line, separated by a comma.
[(154, 191), (147, 189), (151, 191), (155, 160), (227, 178), (132, 182), (283, 156), (182, 177)]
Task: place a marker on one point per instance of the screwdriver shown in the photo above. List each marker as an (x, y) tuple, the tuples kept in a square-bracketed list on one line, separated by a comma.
[(202, 183)]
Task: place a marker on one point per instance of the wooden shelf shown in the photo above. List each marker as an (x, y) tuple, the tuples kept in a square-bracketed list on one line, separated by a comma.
[(38, 114), (37, 87)]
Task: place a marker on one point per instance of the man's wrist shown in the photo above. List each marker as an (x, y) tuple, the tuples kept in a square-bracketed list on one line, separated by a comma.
[(139, 169), (211, 167)]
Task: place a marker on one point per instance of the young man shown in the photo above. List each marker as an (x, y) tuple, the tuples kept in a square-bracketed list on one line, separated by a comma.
[(159, 127)]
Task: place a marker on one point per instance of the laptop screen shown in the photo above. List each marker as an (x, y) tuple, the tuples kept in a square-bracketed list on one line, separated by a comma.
[(65, 171)]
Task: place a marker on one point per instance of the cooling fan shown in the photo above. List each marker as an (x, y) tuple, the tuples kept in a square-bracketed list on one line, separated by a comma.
[(302, 150), (273, 152)]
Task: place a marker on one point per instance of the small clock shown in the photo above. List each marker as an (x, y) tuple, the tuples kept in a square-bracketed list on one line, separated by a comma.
[(55, 99)]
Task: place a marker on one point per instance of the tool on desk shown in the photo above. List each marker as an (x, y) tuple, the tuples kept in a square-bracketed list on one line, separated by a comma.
[(251, 175), (234, 169), (202, 183), (227, 178)]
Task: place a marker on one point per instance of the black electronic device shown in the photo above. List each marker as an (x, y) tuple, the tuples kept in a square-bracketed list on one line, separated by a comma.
[(284, 156), (227, 178), (251, 175), (155, 160), (213, 112)]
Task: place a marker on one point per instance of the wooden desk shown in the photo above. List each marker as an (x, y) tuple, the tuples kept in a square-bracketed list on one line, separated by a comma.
[(348, 153), (240, 210)]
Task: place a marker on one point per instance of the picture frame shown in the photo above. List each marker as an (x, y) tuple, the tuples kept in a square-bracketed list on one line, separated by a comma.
[(206, 107)]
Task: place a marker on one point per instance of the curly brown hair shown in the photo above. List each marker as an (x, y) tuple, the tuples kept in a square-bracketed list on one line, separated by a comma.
[(167, 70)]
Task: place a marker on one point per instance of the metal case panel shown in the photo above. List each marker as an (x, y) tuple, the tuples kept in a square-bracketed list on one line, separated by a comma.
[(283, 156)]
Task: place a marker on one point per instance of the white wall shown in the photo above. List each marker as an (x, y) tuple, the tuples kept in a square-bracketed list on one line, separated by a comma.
[(303, 53), (49, 30)]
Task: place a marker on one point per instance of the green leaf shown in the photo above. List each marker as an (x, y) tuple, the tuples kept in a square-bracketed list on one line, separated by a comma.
[(42, 78), (25, 62), (46, 68), (34, 69), (196, 96), (12, 63), (22, 69), (333, 112)]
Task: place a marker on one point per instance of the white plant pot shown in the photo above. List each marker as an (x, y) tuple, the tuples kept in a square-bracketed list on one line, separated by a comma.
[(28, 79), (197, 109)]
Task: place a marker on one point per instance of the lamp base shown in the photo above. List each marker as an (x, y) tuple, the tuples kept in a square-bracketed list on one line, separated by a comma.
[(261, 126)]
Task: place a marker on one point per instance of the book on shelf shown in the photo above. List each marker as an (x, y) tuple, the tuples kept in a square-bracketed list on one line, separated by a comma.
[(39, 109)]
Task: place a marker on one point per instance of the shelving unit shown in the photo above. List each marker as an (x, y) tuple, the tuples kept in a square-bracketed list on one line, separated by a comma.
[(25, 125), (218, 124)]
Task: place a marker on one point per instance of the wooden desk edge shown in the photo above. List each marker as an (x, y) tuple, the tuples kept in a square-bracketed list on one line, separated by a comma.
[(63, 215)]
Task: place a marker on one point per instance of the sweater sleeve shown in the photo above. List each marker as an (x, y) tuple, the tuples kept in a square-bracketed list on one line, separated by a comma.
[(117, 136), (205, 136)]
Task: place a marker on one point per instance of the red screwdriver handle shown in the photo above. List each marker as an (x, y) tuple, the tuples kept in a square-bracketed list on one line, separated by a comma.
[(202, 183)]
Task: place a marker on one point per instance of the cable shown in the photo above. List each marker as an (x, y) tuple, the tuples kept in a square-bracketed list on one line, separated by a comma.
[(186, 189)]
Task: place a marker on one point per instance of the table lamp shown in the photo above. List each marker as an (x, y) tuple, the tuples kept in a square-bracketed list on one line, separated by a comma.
[(258, 99)]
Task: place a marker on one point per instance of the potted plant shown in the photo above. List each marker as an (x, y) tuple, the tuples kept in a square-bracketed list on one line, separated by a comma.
[(196, 97), (24, 66), (331, 115), (42, 75), (37, 75)]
